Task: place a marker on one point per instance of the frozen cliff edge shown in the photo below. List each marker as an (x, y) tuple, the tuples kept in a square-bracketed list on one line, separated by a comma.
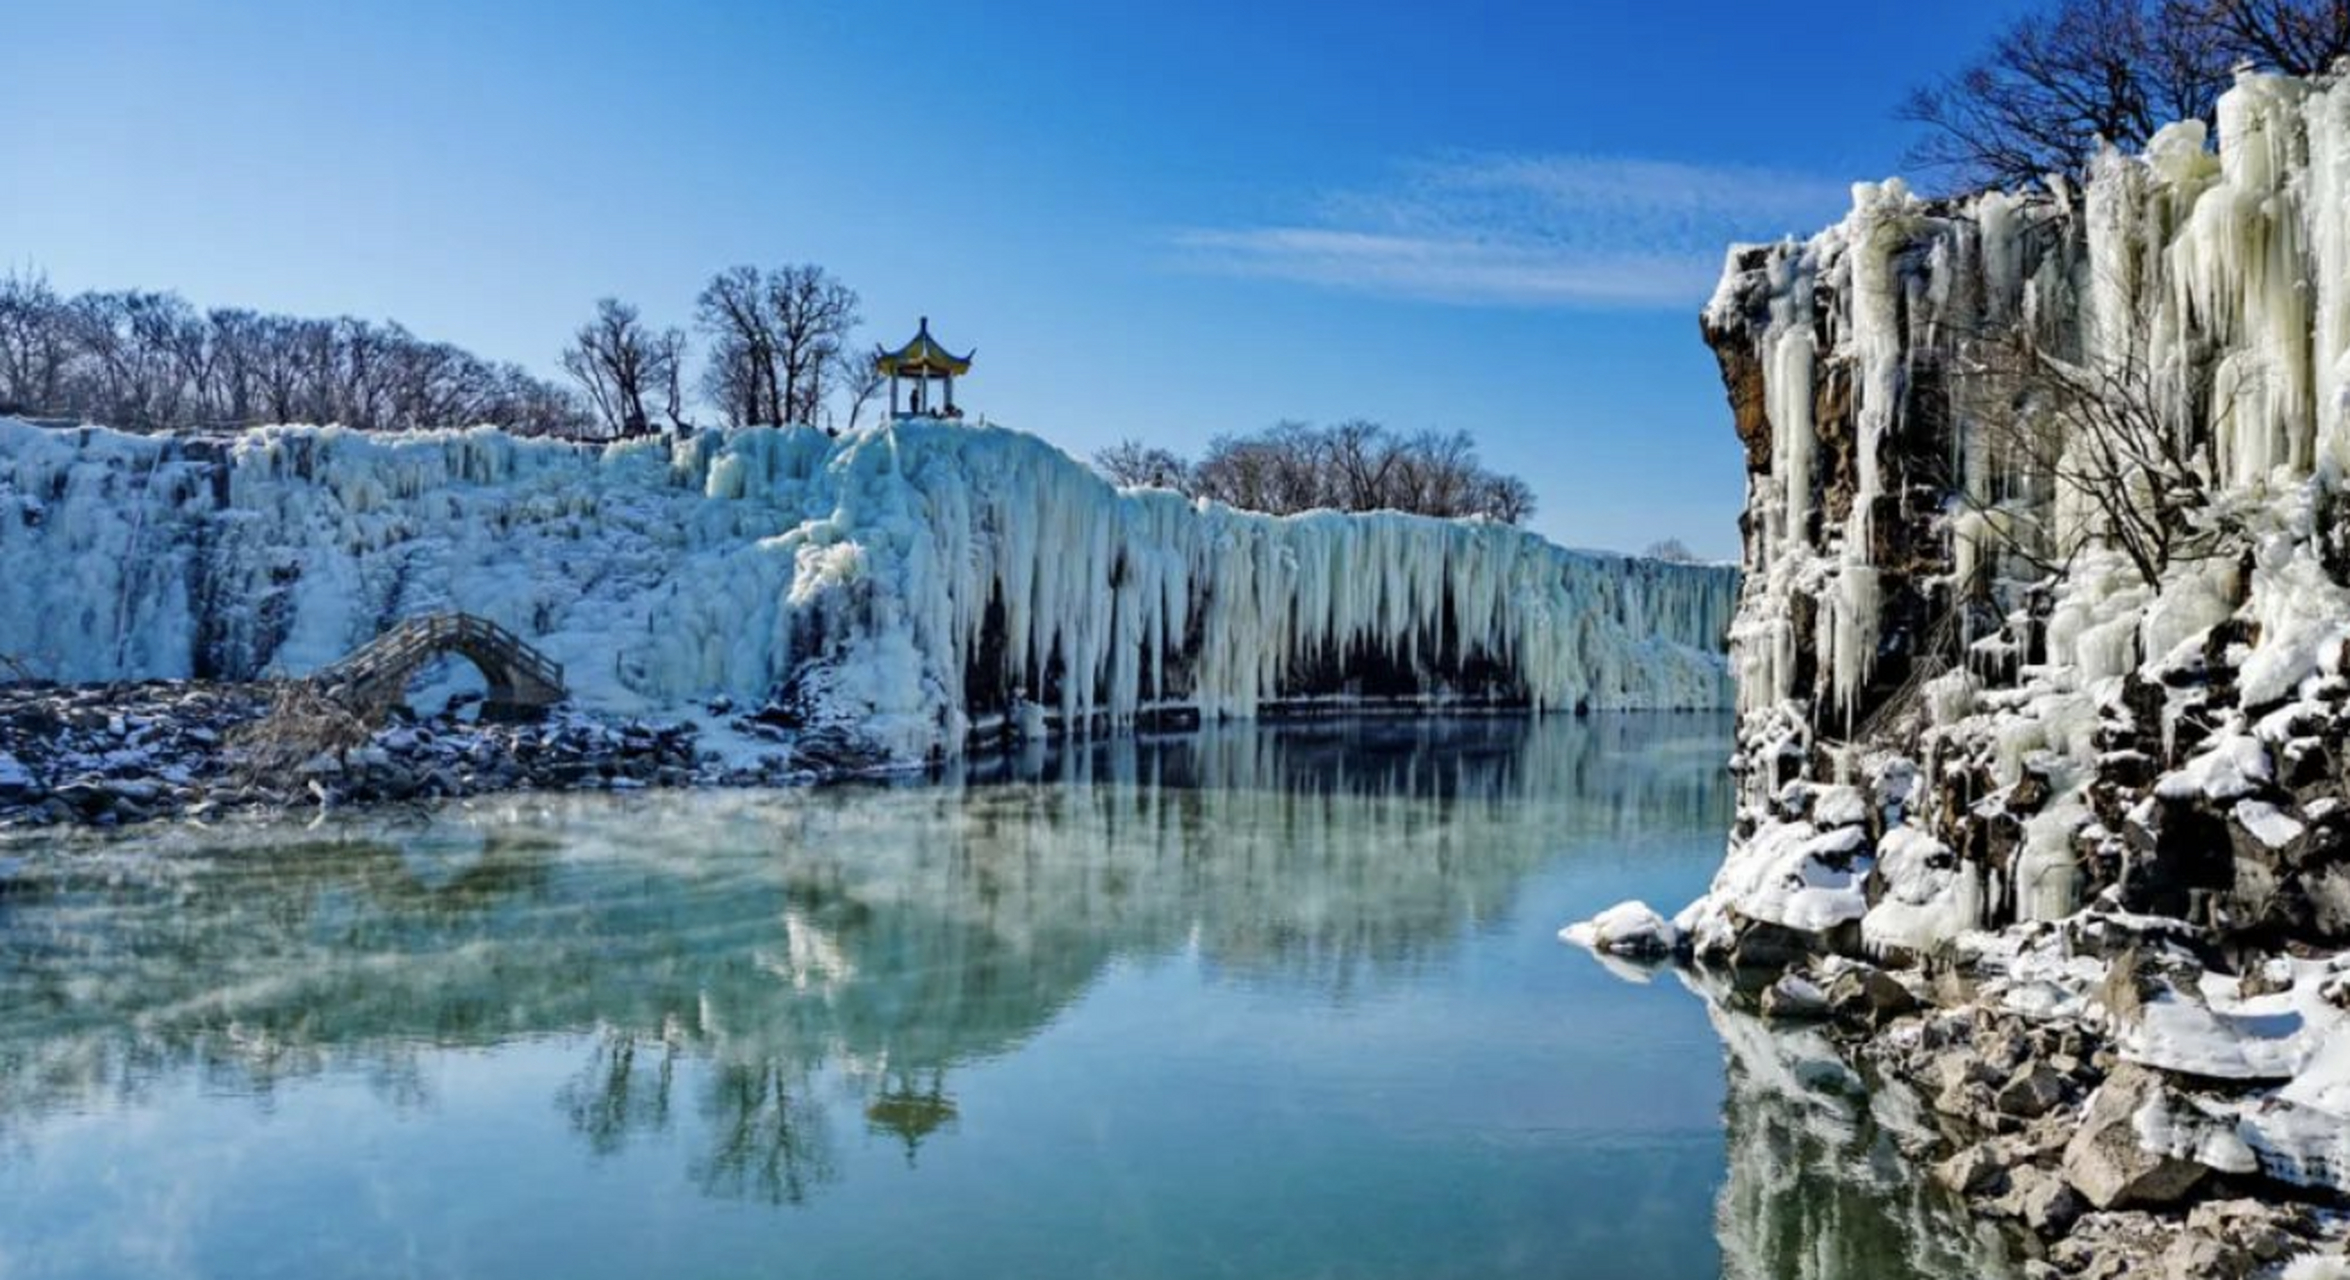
[(2051, 828), (915, 580)]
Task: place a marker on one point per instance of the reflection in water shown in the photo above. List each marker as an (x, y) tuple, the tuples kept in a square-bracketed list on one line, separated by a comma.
[(1334, 938), (1817, 1187), (883, 934)]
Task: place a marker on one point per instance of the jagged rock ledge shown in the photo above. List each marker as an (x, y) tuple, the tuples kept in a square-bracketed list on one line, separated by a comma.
[(2092, 1086), (2067, 771)]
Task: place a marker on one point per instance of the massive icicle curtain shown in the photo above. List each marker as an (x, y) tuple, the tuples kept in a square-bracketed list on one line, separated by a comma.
[(908, 577)]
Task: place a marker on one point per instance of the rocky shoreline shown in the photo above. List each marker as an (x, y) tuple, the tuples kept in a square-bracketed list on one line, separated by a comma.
[(111, 755), (2031, 1089)]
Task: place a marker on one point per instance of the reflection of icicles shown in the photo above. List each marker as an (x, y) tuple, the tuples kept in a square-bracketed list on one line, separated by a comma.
[(1335, 856)]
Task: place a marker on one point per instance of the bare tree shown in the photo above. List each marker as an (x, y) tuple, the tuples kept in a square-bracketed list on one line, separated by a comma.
[(1131, 464), (740, 377), (1670, 549), (860, 380), (812, 314), (625, 368), (2094, 454), (777, 340), (1508, 499), (2297, 37), (2061, 81), (34, 343)]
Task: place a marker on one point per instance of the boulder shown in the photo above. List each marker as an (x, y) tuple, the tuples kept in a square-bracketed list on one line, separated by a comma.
[(2044, 1201), (1626, 929), (1794, 997), (1868, 996), (2033, 1091), (2105, 1160), (1979, 1170)]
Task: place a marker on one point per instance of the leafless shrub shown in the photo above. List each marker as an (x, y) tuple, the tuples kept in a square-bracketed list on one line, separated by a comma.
[(302, 723), (2098, 451)]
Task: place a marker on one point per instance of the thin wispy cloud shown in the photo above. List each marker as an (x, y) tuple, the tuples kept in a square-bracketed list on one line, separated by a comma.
[(1525, 231)]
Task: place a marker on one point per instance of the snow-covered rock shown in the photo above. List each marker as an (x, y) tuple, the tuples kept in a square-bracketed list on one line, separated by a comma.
[(1794, 875), (1626, 929)]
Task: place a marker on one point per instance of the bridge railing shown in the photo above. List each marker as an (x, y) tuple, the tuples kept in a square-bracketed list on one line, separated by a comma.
[(416, 640)]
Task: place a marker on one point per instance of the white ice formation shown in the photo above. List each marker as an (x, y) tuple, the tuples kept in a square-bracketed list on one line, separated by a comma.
[(1938, 610), (915, 579), (2218, 281)]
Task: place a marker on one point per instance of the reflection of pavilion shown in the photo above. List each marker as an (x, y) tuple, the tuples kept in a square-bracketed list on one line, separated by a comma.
[(732, 956), (911, 1109)]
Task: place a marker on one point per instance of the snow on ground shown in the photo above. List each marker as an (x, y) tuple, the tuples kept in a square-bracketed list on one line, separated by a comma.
[(884, 567), (2285, 1037)]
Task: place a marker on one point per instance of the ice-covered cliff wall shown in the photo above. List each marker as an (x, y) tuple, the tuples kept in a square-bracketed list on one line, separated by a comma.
[(1861, 368), (1937, 608), (2046, 614), (914, 578)]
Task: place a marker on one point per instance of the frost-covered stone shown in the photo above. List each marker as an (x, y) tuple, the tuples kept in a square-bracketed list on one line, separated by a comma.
[(1626, 929), (2107, 1162)]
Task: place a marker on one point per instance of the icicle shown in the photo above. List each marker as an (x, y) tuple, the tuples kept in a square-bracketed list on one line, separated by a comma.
[(904, 560)]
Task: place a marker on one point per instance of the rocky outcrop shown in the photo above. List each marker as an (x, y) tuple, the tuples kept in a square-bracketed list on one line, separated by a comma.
[(115, 755), (2106, 1161), (2081, 791)]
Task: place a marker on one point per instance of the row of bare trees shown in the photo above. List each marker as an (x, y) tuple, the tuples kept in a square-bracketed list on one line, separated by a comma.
[(150, 361), (1353, 466), (780, 350), (2076, 74)]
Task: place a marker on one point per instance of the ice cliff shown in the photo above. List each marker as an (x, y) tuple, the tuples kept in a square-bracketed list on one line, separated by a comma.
[(1965, 705), (918, 580)]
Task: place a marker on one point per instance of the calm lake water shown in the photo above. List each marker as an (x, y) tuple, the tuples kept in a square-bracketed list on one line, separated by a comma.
[(1281, 1002)]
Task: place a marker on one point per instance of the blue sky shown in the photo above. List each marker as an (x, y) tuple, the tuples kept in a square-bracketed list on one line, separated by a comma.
[(1162, 221)]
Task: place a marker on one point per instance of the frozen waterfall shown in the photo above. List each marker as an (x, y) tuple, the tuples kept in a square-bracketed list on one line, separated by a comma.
[(915, 578)]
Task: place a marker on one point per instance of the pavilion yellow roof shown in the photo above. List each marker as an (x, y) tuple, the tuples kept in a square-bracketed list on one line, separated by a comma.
[(922, 357)]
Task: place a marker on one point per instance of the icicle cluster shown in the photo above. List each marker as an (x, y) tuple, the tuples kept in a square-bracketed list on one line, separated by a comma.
[(2227, 276), (910, 577)]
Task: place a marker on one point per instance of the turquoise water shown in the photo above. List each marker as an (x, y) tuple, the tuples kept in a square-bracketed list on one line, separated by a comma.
[(1262, 1002)]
